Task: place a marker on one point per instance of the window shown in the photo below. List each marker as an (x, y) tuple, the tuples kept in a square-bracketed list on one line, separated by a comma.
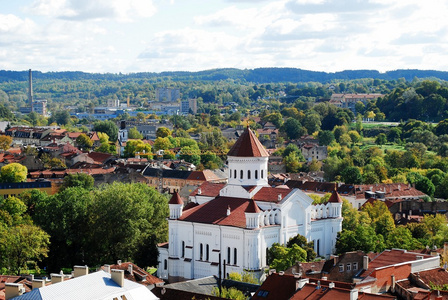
[(349, 267), (261, 174), (207, 252), (234, 174), (241, 174), (256, 174), (230, 173), (235, 254), (165, 264), (248, 174), (228, 255), (355, 266), (183, 249), (201, 251), (341, 268)]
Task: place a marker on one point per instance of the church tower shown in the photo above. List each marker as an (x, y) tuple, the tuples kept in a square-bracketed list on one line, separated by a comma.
[(248, 161)]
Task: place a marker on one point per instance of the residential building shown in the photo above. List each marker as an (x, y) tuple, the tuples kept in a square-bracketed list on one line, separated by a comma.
[(99, 285), (243, 220), (313, 151), (166, 94), (40, 107), (16, 188), (349, 100), (190, 105)]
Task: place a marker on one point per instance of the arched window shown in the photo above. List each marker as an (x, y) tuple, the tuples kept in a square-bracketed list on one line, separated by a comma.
[(165, 264), (261, 174), (201, 251), (183, 249), (230, 173), (256, 174), (248, 174), (235, 254), (234, 174), (228, 255), (207, 252), (241, 174)]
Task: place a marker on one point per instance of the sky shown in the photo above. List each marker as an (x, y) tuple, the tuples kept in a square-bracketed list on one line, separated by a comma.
[(129, 36)]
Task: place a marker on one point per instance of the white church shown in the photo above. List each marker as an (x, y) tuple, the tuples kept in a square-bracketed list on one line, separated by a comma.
[(241, 219)]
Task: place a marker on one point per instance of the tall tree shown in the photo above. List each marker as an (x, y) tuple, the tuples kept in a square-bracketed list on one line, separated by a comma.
[(13, 172), (107, 127)]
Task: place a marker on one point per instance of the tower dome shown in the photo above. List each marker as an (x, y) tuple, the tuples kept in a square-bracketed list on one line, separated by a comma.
[(248, 161)]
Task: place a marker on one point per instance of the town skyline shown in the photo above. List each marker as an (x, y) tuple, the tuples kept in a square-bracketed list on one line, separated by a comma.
[(155, 36)]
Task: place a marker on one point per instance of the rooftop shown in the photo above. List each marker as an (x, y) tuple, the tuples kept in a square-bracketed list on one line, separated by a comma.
[(248, 145)]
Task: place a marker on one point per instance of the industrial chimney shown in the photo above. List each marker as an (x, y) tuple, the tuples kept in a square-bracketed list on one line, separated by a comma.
[(30, 90)]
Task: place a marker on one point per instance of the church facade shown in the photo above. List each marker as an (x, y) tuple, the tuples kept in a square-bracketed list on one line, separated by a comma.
[(240, 220)]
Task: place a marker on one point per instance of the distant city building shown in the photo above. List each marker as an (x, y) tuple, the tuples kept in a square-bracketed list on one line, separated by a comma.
[(190, 104), (349, 100), (40, 107), (165, 94), (113, 103)]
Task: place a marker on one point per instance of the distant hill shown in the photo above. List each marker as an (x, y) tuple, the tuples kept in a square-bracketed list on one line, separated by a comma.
[(259, 75)]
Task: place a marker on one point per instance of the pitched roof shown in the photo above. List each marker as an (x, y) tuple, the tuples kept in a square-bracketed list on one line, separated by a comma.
[(248, 145), (270, 194), (311, 291), (138, 274), (98, 285), (215, 212), (205, 175), (253, 207), (209, 189), (335, 198), (276, 287), (176, 199), (437, 276)]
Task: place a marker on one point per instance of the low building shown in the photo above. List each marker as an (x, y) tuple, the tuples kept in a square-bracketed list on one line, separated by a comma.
[(14, 189)]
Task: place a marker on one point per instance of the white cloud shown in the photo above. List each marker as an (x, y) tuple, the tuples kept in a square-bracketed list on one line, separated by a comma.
[(80, 10)]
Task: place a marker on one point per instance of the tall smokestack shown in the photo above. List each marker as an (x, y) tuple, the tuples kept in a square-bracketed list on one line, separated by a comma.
[(30, 90)]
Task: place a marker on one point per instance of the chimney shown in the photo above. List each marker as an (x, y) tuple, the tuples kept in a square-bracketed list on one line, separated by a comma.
[(301, 283), (80, 271), (354, 294), (331, 285), (13, 290), (365, 262), (392, 283), (130, 269), (119, 262), (281, 273), (107, 268), (56, 278), (117, 276), (271, 271), (37, 284), (228, 210), (199, 191), (318, 285)]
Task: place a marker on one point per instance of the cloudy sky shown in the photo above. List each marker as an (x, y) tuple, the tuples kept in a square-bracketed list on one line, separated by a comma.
[(189, 35)]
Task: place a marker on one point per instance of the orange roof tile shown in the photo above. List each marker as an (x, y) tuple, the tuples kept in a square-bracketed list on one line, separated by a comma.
[(270, 194), (335, 198), (248, 145), (176, 199)]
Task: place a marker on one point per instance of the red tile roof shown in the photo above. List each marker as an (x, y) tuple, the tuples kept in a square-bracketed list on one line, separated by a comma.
[(253, 207), (311, 292), (176, 199), (270, 194), (248, 145), (391, 257), (334, 198), (437, 276), (209, 189), (99, 157), (205, 175), (215, 212), (278, 287)]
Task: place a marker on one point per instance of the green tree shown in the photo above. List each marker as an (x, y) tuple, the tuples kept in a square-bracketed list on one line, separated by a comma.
[(137, 146), (190, 154), (229, 293), (137, 213), (382, 220), (13, 172), (163, 132), (351, 175), (20, 244), (5, 142), (162, 144), (81, 180), (282, 258), (401, 237), (325, 137), (134, 134), (83, 141), (107, 127), (293, 129), (301, 241), (381, 139)]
